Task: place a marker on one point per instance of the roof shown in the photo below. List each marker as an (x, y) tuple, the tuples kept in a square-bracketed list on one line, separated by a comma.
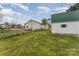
[(65, 17), (32, 20)]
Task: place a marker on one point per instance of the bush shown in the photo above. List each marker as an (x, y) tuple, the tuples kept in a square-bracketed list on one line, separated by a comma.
[(28, 29)]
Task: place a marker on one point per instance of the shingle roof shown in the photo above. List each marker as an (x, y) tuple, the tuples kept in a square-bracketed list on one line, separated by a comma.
[(65, 17), (32, 20)]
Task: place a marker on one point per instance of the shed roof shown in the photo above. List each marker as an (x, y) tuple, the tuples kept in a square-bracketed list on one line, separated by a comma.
[(65, 17)]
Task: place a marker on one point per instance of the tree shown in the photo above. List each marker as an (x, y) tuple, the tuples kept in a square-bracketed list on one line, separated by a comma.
[(49, 22), (74, 7), (1, 16), (13, 24), (7, 25), (44, 23)]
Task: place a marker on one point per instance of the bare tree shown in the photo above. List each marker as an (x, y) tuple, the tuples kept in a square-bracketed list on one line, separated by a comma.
[(7, 25), (1, 16)]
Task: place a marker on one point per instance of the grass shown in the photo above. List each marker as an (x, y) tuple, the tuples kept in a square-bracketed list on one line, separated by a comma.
[(37, 43)]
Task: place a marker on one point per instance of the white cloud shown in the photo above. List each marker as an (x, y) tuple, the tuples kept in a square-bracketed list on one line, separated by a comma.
[(1, 6), (12, 5), (25, 8), (7, 19), (18, 14), (60, 9), (43, 9), (6, 12)]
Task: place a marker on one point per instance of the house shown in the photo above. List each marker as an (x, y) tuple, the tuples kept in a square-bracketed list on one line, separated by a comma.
[(34, 25), (2, 26), (65, 23), (15, 26), (31, 24), (11, 26)]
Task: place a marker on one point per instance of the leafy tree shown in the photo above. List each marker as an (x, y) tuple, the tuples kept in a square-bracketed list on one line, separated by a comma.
[(49, 22), (74, 7), (44, 21), (6, 23)]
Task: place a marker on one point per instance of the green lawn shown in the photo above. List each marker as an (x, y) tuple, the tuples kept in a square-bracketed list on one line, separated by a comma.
[(37, 43)]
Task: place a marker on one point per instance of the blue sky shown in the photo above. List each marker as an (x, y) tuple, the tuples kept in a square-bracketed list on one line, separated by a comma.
[(22, 12)]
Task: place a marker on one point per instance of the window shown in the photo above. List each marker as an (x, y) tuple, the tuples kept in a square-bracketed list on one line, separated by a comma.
[(27, 26), (63, 25)]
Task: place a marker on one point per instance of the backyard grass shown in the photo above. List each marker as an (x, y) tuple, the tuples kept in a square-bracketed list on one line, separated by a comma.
[(37, 43)]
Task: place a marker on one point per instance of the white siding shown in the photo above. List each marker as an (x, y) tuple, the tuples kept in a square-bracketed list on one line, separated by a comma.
[(44, 27), (72, 28)]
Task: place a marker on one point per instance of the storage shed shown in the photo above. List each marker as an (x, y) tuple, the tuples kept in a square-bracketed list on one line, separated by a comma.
[(65, 23)]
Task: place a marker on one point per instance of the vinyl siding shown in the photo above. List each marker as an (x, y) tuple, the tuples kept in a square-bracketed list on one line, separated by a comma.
[(72, 28)]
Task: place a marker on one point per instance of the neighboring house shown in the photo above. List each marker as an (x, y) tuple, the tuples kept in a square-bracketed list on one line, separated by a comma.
[(66, 23), (2, 26), (34, 25), (15, 26), (12, 26)]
